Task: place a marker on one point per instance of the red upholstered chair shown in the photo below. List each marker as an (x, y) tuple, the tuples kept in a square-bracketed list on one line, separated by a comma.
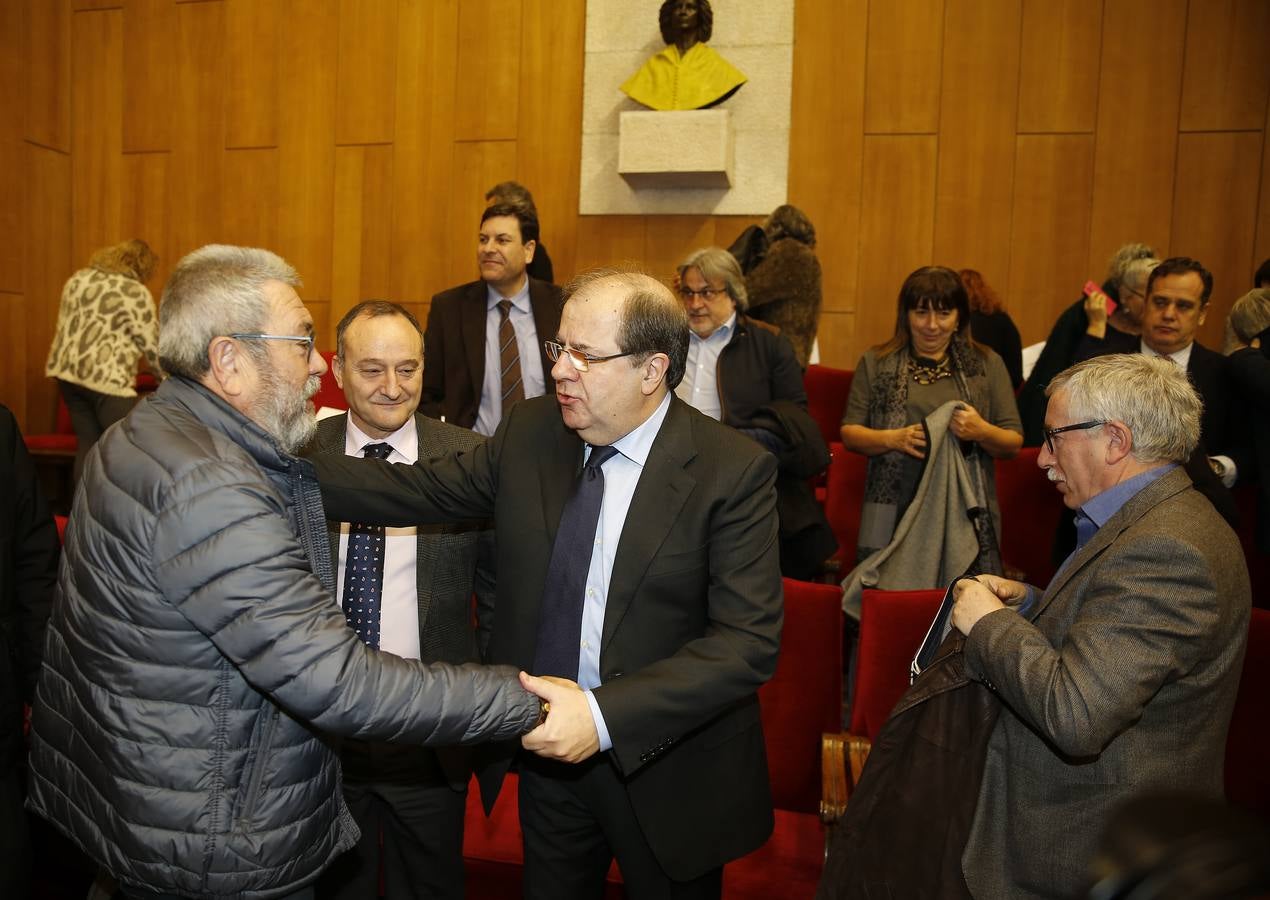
[(800, 704), (329, 394), (892, 627), (1258, 563), (61, 441), (844, 494), (1247, 776), (60, 522), (1030, 510), (827, 389)]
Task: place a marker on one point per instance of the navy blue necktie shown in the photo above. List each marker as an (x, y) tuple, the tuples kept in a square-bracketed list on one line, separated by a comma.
[(364, 569), (560, 619)]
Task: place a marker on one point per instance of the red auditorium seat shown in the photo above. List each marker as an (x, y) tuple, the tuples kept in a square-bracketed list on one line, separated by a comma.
[(1030, 510), (61, 441), (844, 494), (827, 389), (329, 394), (1247, 775), (892, 626)]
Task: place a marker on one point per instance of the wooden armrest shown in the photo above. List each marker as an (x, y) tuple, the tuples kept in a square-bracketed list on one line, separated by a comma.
[(842, 758)]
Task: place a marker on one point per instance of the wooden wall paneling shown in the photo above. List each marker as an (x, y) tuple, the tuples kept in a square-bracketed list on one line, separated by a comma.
[(905, 42), (323, 323), (96, 139), (148, 66), (143, 210), (608, 241), (1138, 98), (1262, 239), (423, 147), (13, 362), (668, 239), (361, 260), (252, 53), (977, 138), (48, 265), (306, 143), (487, 96), (549, 122), (476, 166), (197, 163), (48, 69), (1215, 214), (364, 102), (827, 134), (1049, 232), (836, 334), (249, 199), (896, 228), (1226, 79), (13, 85), (92, 4), (1059, 62)]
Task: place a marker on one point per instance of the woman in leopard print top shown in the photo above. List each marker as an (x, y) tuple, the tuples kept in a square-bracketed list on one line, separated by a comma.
[(106, 320)]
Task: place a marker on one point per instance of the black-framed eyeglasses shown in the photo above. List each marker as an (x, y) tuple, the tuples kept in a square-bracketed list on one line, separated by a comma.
[(706, 293), (1079, 426), (581, 361), (304, 340)]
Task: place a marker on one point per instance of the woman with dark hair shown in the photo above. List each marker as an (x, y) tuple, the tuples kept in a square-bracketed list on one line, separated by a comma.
[(991, 324), (930, 360), (105, 322)]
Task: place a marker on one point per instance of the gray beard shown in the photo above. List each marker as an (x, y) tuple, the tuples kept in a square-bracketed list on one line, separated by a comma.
[(288, 416)]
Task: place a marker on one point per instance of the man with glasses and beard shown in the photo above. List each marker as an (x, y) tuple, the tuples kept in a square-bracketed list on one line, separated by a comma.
[(195, 655)]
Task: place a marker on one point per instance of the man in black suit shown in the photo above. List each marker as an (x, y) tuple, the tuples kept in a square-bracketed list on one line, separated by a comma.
[(483, 345), (413, 796), (1177, 294), (656, 754)]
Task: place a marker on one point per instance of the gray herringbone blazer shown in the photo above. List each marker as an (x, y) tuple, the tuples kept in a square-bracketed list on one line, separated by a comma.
[(1122, 682)]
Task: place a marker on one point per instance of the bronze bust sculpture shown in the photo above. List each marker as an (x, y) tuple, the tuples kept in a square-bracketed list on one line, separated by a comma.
[(687, 74)]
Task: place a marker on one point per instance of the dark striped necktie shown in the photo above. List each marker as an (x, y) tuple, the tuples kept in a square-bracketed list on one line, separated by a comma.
[(509, 357)]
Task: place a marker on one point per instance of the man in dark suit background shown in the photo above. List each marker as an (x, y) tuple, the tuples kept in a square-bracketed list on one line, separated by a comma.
[(414, 796), (656, 754), (483, 345)]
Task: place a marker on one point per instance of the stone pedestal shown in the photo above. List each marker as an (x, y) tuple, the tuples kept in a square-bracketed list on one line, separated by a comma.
[(680, 149)]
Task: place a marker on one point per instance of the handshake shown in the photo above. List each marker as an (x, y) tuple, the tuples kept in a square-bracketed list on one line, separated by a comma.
[(566, 732)]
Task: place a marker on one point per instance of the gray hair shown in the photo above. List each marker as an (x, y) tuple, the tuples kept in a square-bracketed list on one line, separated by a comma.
[(1149, 394), (715, 263), (1135, 274), (1122, 257), (216, 290), (652, 319)]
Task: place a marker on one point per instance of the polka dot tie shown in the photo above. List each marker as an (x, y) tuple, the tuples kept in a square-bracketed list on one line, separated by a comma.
[(364, 569)]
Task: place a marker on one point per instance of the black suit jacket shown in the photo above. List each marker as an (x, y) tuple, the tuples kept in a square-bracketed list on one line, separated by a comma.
[(693, 617), (451, 562), (454, 347)]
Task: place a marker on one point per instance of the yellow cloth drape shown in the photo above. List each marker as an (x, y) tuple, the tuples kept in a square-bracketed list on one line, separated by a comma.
[(694, 80)]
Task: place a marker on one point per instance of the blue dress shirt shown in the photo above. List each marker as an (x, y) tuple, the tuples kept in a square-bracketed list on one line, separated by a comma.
[(490, 412)]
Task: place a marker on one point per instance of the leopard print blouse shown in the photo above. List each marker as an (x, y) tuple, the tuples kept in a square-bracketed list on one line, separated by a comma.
[(104, 323)]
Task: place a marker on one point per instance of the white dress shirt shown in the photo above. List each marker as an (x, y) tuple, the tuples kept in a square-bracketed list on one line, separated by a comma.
[(700, 384), (1230, 473), (490, 412), (621, 476), (399, 609)]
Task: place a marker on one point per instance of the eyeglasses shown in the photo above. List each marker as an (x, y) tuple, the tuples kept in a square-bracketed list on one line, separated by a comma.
[(706, 293), (581, 361), (1050, 433), (305, 341)]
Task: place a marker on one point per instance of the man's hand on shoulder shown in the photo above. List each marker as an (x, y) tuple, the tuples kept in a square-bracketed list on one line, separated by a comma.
[(568, 734)]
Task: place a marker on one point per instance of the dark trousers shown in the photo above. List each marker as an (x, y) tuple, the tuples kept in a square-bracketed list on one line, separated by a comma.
[(575, 820), (400, 794), (15, 842), (91, 414), (131, 893)]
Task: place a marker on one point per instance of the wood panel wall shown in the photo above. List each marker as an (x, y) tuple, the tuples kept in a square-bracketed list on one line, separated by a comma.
[(1025, 138)]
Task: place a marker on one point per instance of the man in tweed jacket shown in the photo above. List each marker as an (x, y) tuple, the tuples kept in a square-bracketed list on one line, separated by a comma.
[(1120, 678), (413, 796)]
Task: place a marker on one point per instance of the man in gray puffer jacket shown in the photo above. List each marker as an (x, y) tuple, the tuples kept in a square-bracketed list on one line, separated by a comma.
[(196, 660)]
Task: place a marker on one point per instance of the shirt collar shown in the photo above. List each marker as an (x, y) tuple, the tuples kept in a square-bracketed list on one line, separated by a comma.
[(636, 444), (1181, 357), (405, 440), (520, 299), (1102, 507), (722, 333)]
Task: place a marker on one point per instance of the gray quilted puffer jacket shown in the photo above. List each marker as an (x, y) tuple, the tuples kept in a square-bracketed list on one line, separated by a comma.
[(194, 662)]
